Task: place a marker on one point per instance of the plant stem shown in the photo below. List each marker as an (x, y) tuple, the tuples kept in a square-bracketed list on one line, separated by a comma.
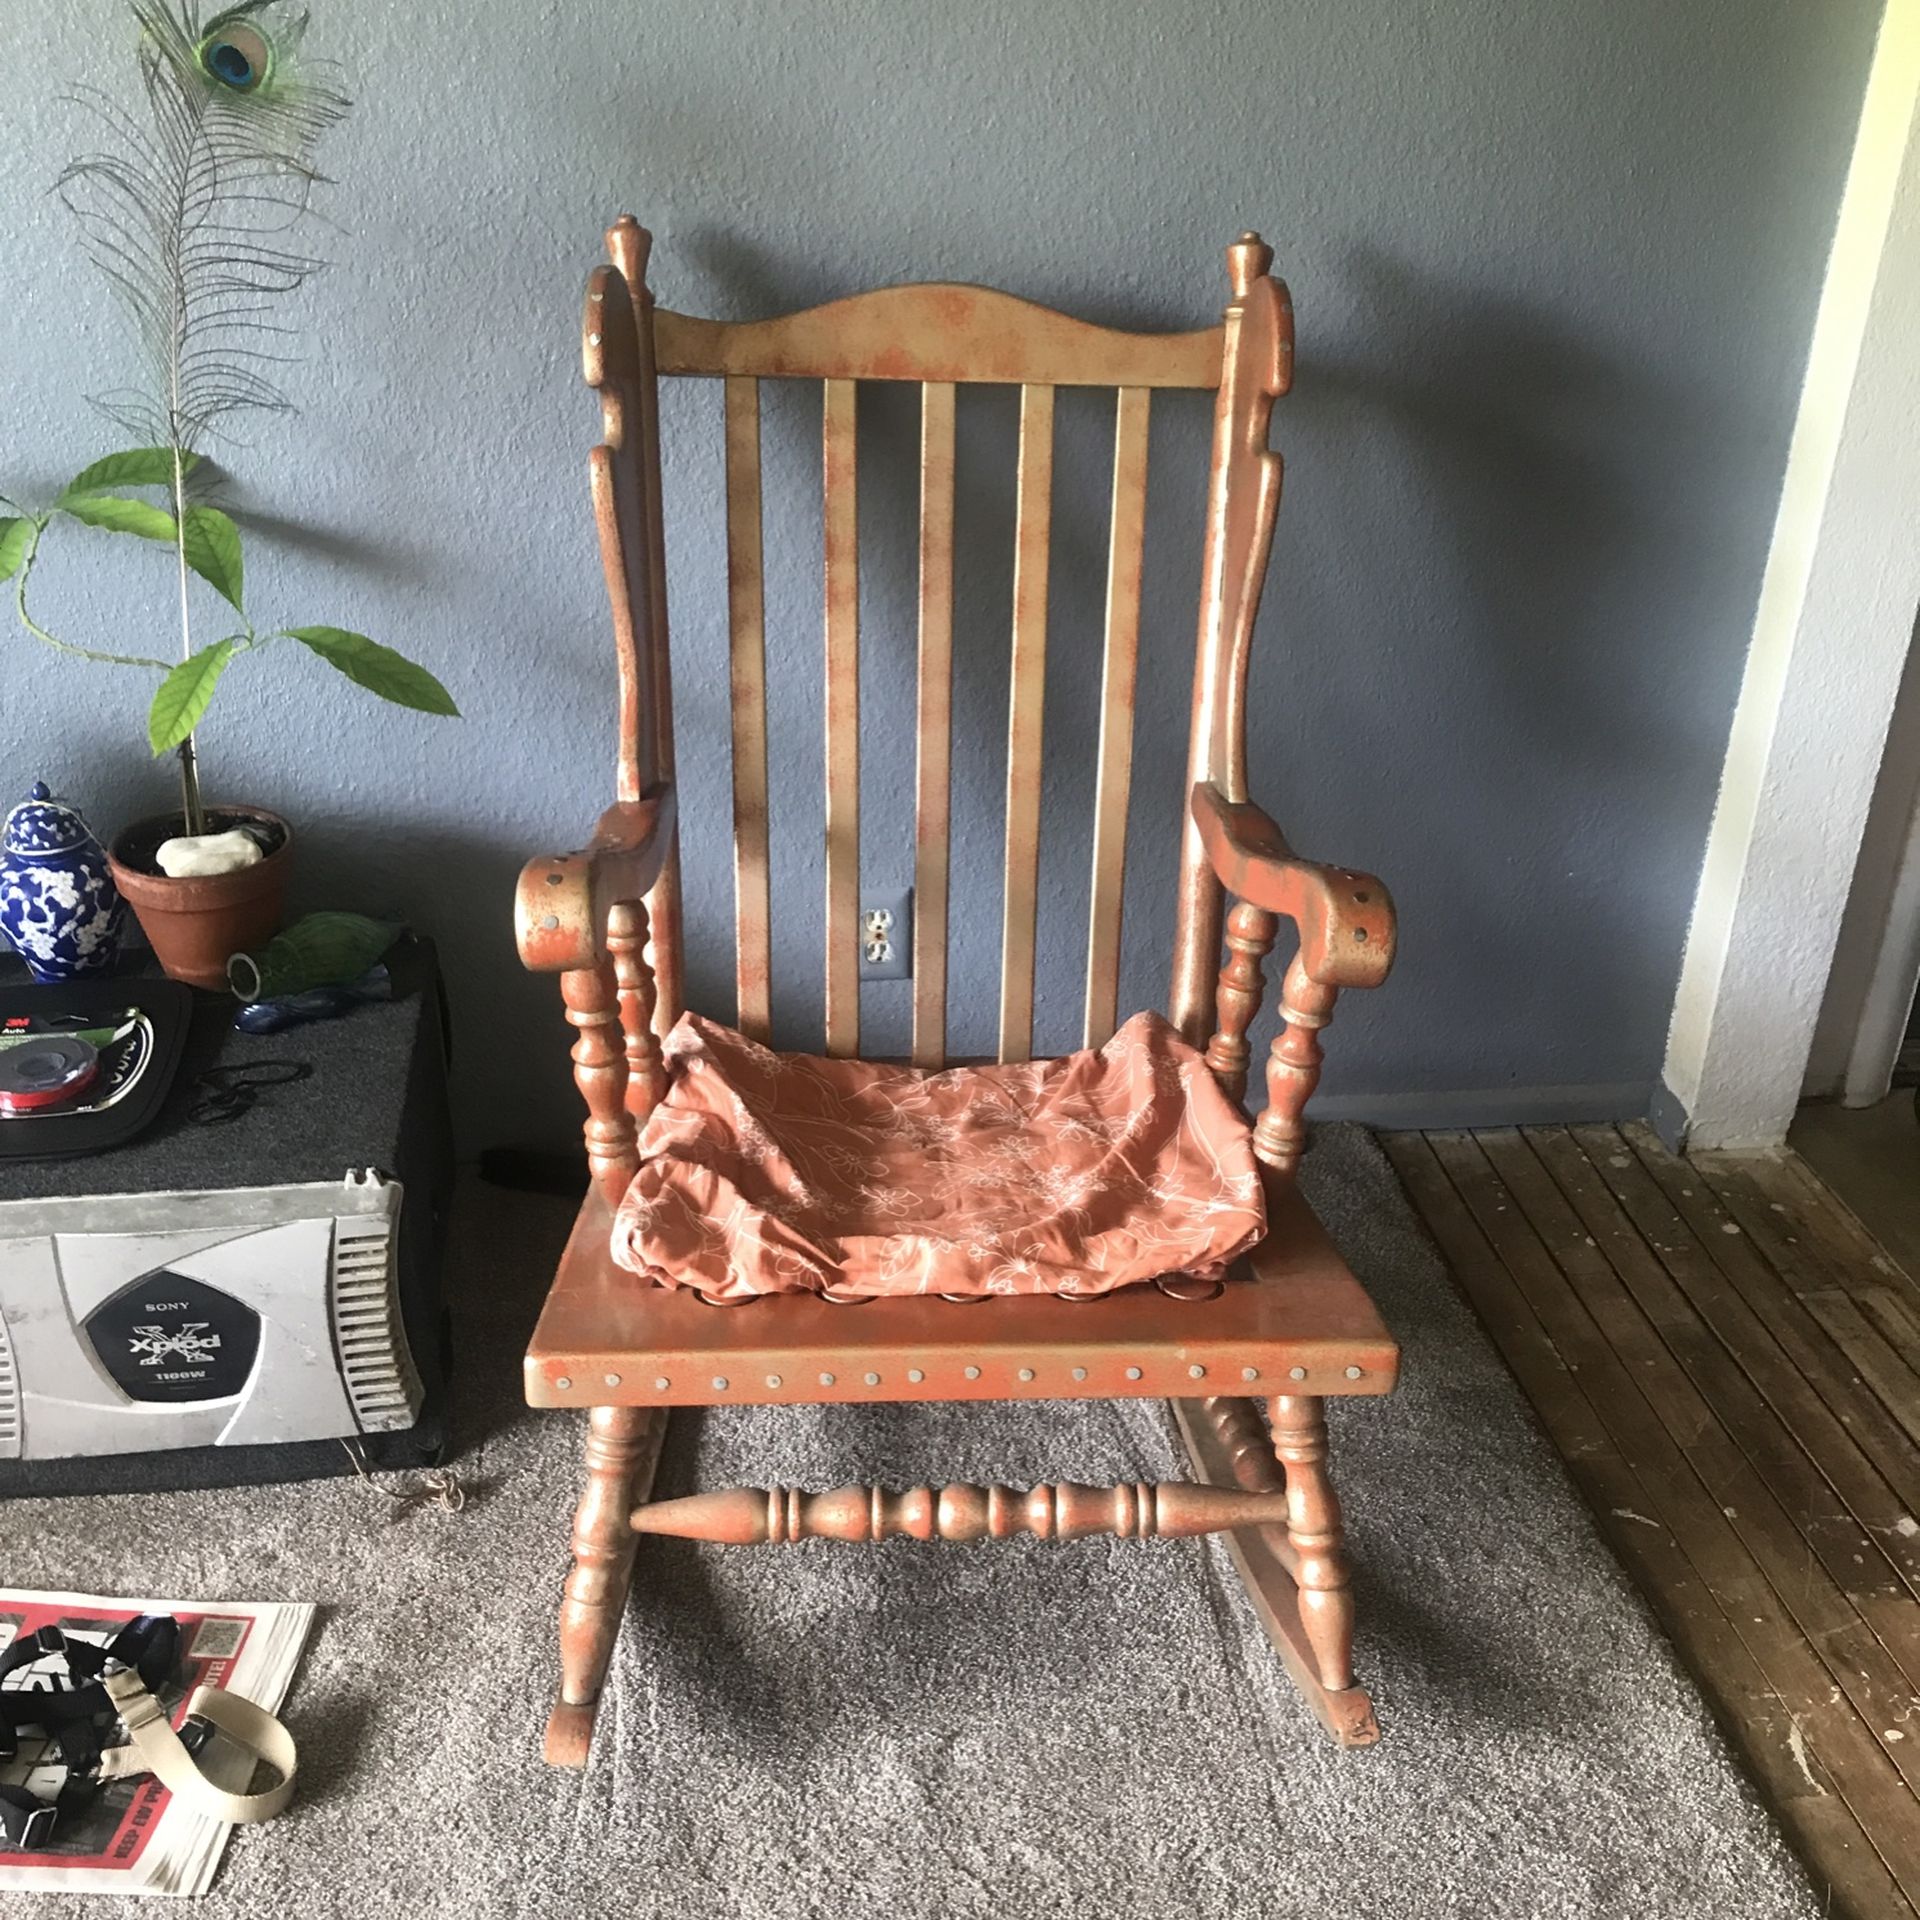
[(53, 640), (195, 817)]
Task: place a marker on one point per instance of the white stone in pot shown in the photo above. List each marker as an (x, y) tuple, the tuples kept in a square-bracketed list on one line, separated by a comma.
[(190, 856)]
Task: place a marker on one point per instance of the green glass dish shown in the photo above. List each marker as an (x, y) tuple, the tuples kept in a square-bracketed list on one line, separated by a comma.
[(317, 950)]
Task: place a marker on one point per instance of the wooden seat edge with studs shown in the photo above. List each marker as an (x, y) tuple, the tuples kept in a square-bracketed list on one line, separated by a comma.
[(1247, 1362)]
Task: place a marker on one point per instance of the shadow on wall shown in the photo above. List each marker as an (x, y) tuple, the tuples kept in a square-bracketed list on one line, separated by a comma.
[(512, 1076), (394, 565)]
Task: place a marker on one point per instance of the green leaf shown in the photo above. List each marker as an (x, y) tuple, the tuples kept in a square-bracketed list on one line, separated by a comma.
[(139, 467), (15, 537), (181, 699), (212, 542), (109, 510), (379, 669)]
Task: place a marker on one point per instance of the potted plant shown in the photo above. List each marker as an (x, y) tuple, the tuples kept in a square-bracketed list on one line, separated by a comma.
[(189, 210)]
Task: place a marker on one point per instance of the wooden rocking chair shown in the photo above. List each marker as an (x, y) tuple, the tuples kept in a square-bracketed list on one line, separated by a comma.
[(1292, 1325)]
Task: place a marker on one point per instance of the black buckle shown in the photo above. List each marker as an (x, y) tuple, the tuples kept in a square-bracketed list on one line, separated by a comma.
[(26, 1826), (36, 1831), (27, 1648)]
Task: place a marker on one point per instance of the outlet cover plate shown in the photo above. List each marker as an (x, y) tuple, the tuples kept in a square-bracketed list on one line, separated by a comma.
[(886, 933)]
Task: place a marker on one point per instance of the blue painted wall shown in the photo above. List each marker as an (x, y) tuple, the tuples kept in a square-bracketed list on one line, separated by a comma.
[(1555, 271)]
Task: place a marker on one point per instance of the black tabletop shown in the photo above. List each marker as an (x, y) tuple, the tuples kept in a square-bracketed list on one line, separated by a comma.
[(346, 1113)]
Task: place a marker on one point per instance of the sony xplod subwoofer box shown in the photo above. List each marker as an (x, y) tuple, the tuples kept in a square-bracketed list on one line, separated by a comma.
[(232, 1295)]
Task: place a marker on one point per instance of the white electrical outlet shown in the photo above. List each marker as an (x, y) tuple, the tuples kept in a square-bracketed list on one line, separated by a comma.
[(886, 935)]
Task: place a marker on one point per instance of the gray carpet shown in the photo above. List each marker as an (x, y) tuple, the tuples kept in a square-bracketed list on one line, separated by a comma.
[(909, 1730)]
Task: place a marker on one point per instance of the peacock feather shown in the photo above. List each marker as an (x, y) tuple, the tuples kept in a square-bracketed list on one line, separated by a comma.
[(190, 211)]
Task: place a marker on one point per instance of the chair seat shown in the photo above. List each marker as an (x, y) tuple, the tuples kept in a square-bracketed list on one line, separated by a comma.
[(764, 1173), (1289, 1318)]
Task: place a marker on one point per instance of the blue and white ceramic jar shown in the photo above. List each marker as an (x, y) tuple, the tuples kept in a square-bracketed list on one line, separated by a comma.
[(59, 908)]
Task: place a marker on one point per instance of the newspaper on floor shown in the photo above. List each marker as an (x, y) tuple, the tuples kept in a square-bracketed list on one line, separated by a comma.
[(132, 1837)]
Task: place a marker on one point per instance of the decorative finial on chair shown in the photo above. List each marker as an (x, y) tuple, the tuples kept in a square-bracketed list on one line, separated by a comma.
[(629, 245), (1247, 259)]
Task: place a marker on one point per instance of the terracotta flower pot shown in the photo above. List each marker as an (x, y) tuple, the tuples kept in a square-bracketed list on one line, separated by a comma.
[(194, 924)]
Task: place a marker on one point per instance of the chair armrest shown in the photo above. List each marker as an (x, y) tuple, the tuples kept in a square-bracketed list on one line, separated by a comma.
[(561, 906), (1345, 918)]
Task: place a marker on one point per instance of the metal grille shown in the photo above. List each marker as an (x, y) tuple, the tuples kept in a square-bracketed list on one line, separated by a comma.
[(375, 1364)]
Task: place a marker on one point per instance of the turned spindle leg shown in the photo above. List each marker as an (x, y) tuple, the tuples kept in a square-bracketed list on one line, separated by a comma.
[(1243, 1440), (622, 1445), (1314, 1531), (633, 979), (1229, 1440), (1250, 936), (1293, 1069), (600, 1072)]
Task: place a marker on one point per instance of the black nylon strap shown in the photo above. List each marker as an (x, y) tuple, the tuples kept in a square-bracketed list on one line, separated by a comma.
[(29, 1647), (76, 1717)]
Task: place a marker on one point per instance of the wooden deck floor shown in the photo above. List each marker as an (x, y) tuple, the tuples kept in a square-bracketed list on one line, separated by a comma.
[(1730, 1366)]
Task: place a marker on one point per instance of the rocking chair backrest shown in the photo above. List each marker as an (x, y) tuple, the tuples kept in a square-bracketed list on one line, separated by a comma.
[(938, 337)]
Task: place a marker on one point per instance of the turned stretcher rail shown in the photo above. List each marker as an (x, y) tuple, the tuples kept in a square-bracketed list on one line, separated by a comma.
[(1137, 1510)]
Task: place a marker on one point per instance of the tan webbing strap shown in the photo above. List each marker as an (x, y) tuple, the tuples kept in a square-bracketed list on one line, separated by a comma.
[(153, 1747)]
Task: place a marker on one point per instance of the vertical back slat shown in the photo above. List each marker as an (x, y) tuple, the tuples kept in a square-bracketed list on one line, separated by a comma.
[(1117, 679), (934, 729), (841, 516), (746, 621), (1033, 527)]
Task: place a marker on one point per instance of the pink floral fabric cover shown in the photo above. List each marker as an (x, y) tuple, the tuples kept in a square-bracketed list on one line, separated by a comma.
[(765, 1172)]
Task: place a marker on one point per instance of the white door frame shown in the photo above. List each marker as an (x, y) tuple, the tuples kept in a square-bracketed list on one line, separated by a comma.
[(1830, 639), (1876, 966), (1886, 1007)]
